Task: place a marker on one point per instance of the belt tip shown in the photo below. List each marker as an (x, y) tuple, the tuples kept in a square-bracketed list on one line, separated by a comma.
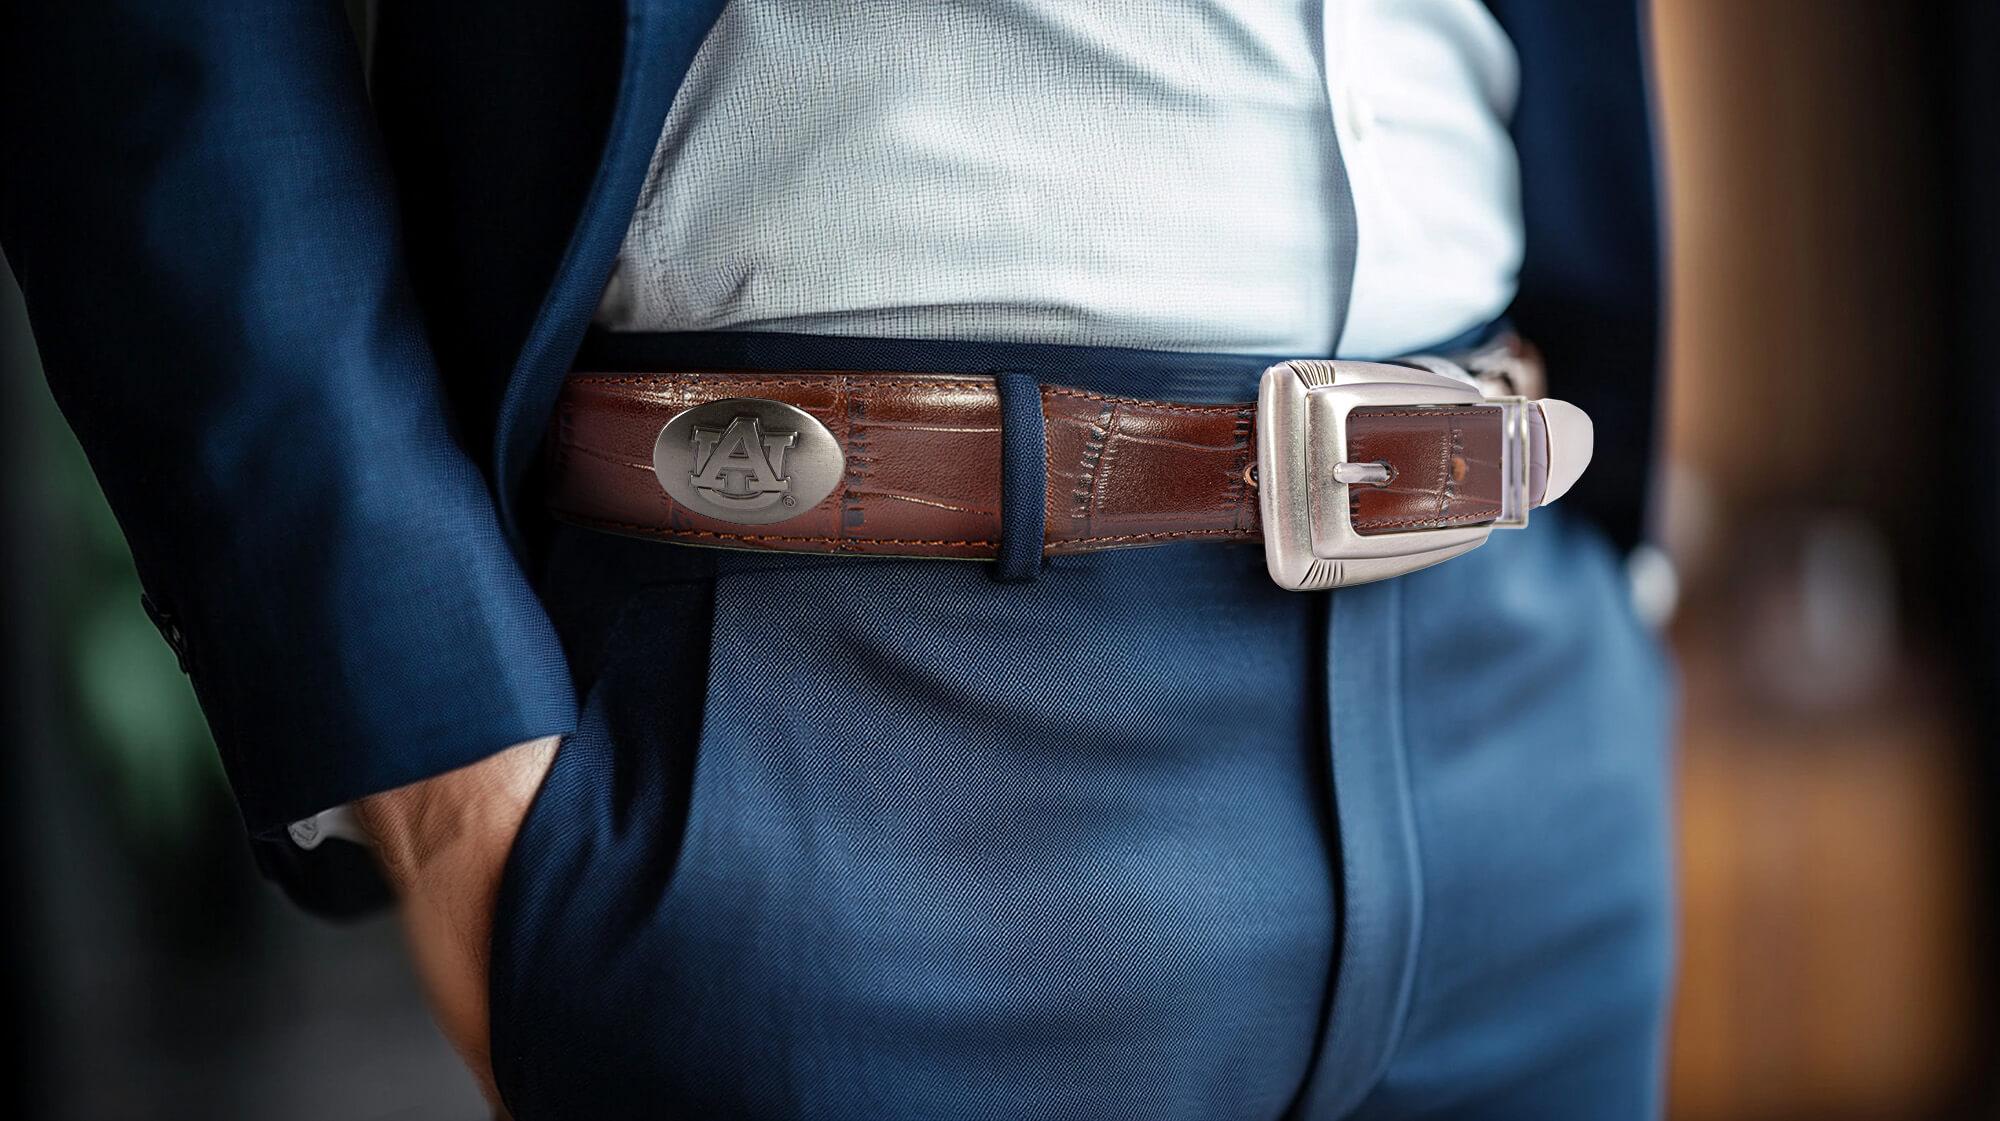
[(1570, 435)]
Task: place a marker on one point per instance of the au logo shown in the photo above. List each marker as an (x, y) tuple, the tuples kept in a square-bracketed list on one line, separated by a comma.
[(742, 466), (747, 460)]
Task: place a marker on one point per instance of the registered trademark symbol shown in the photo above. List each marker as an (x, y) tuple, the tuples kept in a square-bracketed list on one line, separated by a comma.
[(790, 501)]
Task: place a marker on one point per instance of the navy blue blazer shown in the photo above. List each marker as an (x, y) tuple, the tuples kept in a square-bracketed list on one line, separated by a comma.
[(310, 338)]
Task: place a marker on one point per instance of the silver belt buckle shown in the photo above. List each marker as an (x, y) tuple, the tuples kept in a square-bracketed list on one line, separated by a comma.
[(1303, 474)]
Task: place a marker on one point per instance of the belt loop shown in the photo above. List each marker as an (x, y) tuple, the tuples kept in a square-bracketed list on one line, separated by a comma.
[(1023, 477)]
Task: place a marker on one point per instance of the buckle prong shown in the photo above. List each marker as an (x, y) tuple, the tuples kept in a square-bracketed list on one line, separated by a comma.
[(1363, 474)]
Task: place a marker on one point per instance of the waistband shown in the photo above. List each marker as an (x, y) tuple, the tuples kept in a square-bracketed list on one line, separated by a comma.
[(1189, 376)]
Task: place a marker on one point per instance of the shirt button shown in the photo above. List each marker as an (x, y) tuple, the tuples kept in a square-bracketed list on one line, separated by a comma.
[(1360, 116)]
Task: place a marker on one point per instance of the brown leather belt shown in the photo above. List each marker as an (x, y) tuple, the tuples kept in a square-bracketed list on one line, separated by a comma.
[(919, 462)]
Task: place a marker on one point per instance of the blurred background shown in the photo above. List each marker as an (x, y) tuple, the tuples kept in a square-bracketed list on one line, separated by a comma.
[(1828, 547)]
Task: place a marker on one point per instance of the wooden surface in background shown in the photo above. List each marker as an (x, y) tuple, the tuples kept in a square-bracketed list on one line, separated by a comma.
[(1803, 279), (1826, 966)]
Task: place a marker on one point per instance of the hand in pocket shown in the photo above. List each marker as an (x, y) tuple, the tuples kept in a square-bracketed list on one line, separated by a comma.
[(443, 844)]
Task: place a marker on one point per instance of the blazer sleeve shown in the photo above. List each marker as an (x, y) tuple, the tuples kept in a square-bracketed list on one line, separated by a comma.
[(194, 200)]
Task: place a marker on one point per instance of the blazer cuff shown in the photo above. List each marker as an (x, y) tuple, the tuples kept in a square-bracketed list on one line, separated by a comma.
[(399, 642)]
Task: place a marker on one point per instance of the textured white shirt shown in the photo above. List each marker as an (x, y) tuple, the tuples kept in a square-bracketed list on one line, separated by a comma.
[(1151, 173)]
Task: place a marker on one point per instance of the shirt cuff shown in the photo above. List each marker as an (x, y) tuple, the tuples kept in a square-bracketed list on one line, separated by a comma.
[(338, 824)]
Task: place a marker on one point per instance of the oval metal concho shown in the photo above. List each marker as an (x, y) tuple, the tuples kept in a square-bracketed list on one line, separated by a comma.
[(747, 460)]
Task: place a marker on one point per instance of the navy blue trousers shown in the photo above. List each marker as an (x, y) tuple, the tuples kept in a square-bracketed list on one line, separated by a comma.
[(1145, 837)]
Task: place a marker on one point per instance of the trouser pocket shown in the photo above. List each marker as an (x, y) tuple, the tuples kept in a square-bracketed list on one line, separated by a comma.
[(599, 844)]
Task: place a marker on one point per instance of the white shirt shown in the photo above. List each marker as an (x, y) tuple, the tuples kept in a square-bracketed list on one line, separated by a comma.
[(1150, 173)]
